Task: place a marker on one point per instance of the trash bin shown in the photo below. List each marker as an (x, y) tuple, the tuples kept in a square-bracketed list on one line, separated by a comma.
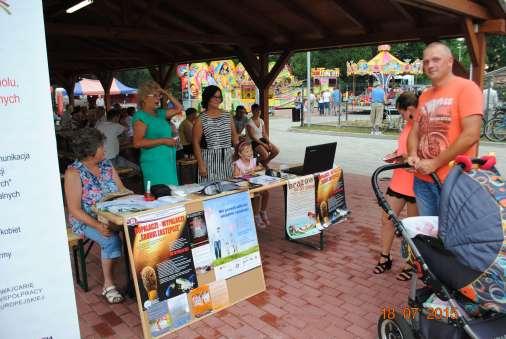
[(295, 114)]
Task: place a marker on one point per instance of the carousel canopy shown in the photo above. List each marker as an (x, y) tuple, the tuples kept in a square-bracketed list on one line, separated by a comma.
[(383, 63), (93, 87)]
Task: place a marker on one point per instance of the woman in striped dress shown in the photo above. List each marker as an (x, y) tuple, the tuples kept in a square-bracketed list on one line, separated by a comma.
[(214, 135)]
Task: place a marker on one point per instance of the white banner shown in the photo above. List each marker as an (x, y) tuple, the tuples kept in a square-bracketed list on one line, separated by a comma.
[(36, 292)]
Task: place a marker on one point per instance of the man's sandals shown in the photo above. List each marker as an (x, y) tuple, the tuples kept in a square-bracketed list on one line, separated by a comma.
[(112, 295), (384, 266)]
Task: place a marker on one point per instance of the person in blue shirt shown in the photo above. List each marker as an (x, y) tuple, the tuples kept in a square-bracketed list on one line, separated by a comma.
[(336, 100), (377, 107)]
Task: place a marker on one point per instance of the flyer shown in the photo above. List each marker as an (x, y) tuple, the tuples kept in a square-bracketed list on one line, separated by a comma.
[(301, 220), (179, 310), (232, 234), (162, 256), (219, 294), (330, 198), (197, 225), (200, 300), (159, 318)]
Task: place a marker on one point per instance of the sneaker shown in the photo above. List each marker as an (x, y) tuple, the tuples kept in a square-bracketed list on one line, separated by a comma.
[(265, 218), (259, 222)]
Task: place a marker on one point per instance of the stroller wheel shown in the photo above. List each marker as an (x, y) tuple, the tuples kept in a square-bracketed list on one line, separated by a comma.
[(395, 328)]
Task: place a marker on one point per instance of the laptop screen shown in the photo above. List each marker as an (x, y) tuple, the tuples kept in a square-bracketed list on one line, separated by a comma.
[(319, 158)]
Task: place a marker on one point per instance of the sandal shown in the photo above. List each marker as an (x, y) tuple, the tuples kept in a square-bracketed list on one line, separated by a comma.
[(405, 274), (384, 266), (112, 295)]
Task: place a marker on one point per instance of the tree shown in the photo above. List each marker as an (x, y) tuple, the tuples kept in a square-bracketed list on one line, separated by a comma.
[(496, 52)]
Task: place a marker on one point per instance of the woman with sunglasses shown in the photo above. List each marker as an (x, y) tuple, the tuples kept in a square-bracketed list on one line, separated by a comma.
[(214, 136), (153, 135)]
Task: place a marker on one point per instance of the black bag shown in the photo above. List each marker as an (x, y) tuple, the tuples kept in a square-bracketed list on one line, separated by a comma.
[(160, 190)]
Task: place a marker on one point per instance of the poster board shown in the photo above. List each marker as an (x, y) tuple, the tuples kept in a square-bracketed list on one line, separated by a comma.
[(37, 297), (314, 202), (192, 260)]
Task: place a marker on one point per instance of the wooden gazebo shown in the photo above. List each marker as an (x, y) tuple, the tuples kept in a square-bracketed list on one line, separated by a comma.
[(108, 35)]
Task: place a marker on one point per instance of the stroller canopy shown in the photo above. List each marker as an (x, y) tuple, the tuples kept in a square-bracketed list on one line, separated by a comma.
[(472, 215)]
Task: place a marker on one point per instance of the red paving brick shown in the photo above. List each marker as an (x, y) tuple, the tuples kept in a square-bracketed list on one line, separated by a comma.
[(310, 293)]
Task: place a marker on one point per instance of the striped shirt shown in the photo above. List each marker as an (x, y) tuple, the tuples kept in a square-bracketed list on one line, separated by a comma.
[(218, 152)]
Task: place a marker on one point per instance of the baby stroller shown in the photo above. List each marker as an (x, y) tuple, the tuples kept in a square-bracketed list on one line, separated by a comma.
[(465, 266)]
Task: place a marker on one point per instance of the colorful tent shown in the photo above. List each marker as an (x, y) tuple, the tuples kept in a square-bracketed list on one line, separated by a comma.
[(93, 87)]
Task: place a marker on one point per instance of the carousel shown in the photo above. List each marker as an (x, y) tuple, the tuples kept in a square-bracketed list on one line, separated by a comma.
[(383, 67)]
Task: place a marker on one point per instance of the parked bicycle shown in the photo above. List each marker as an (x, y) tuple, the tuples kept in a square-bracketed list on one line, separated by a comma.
[(495, 128)]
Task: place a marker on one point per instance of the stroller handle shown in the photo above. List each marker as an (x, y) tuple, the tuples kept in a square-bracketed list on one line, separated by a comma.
[(389, 167)]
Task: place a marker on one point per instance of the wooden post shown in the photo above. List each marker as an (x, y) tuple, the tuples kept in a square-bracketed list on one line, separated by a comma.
[(161, 74), (479, 69), (264, 89), (67, 81), (106, 79), (477, 46)]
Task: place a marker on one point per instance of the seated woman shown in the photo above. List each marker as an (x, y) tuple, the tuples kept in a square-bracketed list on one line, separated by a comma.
[(259, 138), (154, 136), (87, 180)]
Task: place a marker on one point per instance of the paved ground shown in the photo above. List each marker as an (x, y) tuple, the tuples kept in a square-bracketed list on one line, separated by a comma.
[(310, 293)]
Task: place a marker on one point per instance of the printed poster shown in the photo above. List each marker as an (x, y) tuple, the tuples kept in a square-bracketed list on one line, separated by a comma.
[(201, 250), (232, 234), (162, 256), (179, 310), (200, 301), (37, 294), (330, 198), (219, 294), (301, 220)]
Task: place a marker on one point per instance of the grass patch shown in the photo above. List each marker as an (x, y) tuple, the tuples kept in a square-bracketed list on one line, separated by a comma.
[(221, 261), (343, 129)]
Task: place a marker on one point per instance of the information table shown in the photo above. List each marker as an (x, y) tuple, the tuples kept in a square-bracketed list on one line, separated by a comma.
[(192, 259)]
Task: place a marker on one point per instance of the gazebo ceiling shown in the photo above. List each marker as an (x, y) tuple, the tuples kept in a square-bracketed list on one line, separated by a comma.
[(113, 35)]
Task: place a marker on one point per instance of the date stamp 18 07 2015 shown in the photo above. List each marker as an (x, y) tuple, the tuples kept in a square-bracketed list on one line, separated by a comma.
[(410, 313)]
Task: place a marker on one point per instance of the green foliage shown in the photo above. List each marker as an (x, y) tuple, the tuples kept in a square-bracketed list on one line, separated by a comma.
[(496, 52)]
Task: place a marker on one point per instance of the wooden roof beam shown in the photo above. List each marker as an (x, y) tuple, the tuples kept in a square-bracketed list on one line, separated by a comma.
[(135, 34), (250, 63), (278, 66), (470, 31), (497, 26), (412, 18), (304, 12), (460, 7), (353, 15), (419, 4), (151, 6)]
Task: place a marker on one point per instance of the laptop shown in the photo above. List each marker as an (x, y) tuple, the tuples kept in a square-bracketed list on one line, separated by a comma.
[(318, 158)]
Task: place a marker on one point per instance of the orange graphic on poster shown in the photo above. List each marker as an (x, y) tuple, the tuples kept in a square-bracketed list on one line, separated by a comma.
[(200, 301)]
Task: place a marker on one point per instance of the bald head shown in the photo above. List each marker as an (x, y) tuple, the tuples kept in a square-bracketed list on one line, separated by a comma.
[(444, 49), (437, 63)]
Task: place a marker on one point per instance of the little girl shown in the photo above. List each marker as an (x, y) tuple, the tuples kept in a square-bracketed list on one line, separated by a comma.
[(245, 165)]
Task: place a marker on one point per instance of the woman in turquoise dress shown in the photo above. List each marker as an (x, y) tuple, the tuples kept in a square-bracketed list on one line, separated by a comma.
[(153, 135)]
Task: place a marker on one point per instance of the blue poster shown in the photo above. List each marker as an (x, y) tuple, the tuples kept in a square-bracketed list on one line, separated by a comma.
[(232, 235)]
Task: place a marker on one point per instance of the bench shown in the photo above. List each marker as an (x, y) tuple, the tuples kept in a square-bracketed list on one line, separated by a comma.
[(77, 244)]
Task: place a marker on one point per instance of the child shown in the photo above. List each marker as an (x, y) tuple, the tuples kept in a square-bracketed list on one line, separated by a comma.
[(246, 165)]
